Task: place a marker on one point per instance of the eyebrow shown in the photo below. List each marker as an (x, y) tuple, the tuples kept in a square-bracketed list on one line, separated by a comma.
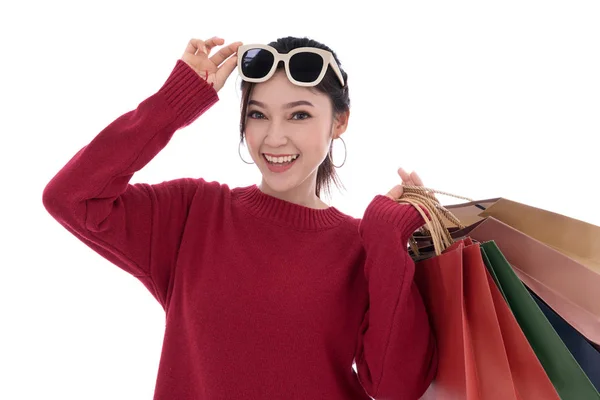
[(288, 105)]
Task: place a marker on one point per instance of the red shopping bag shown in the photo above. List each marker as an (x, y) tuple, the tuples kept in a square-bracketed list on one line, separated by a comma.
[(483, 354)]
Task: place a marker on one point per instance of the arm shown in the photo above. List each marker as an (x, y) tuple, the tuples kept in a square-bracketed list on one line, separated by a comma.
[(137, 227), (396, 356)]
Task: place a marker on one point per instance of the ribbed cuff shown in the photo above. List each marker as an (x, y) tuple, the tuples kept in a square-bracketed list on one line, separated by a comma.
[(403, 216), (187, 93)]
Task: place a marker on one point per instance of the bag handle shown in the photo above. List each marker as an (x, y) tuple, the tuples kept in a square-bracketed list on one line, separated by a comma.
[(423, 198)]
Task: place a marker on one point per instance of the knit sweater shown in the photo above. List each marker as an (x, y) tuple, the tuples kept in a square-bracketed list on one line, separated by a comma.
[(263, 298)]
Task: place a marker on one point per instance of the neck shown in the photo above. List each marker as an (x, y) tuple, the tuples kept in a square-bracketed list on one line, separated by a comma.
[(303, 194)]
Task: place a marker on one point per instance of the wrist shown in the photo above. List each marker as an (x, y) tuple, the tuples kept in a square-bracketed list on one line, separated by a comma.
[(187, 93), (403, 217)]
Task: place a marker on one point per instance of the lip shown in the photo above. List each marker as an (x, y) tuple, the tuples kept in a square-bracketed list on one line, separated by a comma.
[(278, 168), (279, 155)]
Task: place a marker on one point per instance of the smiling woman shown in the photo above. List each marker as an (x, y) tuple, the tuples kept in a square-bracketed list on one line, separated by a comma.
[(267, 291)]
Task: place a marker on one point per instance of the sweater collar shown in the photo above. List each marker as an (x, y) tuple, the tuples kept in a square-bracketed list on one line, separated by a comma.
[(282, 212)]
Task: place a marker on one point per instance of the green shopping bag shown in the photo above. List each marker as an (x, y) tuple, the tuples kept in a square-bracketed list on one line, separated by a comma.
[(564, 372)]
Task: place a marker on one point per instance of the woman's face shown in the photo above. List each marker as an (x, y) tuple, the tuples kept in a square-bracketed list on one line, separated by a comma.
[(289, 129)]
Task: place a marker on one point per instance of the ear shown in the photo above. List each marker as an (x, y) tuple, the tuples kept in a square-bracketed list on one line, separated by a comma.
[(340, 123)]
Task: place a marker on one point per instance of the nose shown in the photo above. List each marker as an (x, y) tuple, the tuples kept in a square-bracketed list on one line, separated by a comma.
[(275, 136)]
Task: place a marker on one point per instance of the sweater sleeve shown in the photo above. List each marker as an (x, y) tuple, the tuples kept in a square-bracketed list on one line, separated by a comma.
[(396, 356), (135, 226)]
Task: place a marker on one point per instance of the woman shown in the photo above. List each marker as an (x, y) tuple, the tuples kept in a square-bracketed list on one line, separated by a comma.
[(268, 292)]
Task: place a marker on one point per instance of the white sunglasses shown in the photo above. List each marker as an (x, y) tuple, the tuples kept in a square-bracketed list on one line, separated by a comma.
[(304, 66)]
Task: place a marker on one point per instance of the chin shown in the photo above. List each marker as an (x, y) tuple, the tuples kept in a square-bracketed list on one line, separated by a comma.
[(280, 185), (284, 183)]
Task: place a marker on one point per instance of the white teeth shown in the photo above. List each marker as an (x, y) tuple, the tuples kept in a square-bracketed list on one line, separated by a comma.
[(280, 160)]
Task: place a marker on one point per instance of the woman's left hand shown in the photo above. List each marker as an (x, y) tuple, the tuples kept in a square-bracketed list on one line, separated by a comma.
[(411, 179)]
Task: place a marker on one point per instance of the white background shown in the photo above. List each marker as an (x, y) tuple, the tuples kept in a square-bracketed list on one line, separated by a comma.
[(483, 99)]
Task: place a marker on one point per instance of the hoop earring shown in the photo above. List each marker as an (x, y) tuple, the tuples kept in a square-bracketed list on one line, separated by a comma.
[(240, 153), (345, 154)]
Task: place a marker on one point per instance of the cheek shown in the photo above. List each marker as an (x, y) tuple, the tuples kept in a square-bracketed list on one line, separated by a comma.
[(317, 139), (252, 135)]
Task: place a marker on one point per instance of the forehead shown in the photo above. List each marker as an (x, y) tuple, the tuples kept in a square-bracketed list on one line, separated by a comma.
[(279, 90)]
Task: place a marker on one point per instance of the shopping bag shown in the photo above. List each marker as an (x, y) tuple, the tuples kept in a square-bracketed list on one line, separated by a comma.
[(440, 282), (584, 353), (567, 286), (566, 375), (473, 325)]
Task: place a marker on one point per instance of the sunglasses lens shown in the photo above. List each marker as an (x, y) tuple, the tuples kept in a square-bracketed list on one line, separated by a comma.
[(256, 63), (306, 67)]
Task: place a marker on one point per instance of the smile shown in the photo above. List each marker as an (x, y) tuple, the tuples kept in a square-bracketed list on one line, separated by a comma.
[(282, 163)]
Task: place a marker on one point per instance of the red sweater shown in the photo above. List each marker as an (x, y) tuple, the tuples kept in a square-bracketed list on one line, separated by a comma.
[(263, 298)]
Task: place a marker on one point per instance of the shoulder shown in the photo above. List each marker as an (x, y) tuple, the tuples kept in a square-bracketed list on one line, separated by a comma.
[(351, 223), (349, 228), (213, 189)]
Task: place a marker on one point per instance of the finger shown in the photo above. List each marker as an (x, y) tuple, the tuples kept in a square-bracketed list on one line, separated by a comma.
[(226, 69), (396, 192), (225, 53), (212, 42), (194, 45), (416, 179), (405, 176)]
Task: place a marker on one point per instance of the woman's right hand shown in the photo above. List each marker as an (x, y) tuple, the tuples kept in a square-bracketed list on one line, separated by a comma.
[(214, 69)]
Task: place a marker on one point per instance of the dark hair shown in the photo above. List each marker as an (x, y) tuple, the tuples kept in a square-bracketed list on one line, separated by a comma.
[(330, 85)]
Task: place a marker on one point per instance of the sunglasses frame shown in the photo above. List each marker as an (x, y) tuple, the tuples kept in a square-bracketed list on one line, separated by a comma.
[(328, 60)]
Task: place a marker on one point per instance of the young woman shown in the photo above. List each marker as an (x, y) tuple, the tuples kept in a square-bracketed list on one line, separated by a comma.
[(268, 292)]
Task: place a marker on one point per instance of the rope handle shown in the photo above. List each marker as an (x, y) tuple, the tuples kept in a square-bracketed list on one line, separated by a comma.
[(421, 198), (426, 190)]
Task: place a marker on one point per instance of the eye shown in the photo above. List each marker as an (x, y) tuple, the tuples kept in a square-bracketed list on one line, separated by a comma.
[(255, 115), (301, 115)]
